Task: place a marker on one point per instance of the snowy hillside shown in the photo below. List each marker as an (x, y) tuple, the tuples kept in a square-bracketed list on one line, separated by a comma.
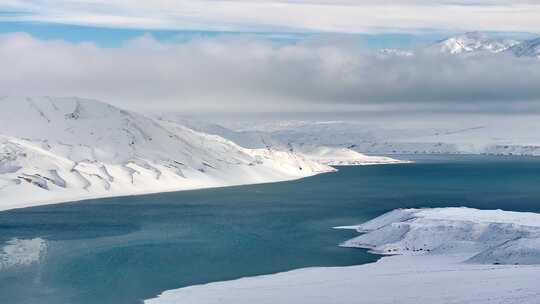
[(255, 139), (336, 156), (474, 42), (473, 134), (484, 236), (60, 149), (252, 139), (447, 255)]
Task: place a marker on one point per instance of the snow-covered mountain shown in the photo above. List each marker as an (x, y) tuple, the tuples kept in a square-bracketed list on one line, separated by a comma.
[(252, 139), (529, 48), (332, 155), (474, 42), (445, 134), (60, 149)]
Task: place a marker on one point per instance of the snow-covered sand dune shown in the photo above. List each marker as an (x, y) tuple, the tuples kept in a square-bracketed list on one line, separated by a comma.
[(445, 255), (63, 149)]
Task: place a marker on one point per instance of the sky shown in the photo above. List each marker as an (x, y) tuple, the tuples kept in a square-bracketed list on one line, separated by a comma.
[(344, 16), (266, 55)]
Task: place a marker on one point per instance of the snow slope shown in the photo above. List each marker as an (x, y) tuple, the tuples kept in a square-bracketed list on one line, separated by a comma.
[(336, 156), (256, 139), (447, 255), (445, 134), (62, 149), (488, 236)]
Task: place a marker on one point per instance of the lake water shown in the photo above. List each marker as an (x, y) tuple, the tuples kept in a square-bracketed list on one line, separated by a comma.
[(123, 250)]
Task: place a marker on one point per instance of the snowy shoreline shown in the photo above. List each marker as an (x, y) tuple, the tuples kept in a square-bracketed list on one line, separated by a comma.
[(83, 197), (442, 255), (80, 198)]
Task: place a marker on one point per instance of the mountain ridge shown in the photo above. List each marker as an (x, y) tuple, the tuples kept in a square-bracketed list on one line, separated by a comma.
[(63, 149), (473, 43)]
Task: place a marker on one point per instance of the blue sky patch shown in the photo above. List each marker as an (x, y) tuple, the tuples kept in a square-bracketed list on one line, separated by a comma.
[(114, 37)]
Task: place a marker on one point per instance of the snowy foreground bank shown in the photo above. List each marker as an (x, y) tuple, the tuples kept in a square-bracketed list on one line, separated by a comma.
[(446, 255)]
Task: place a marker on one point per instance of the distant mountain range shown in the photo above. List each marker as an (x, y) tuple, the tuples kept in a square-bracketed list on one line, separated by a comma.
[(476, 43)]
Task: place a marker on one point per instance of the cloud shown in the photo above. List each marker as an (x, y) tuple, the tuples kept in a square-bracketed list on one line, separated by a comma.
[(251, 74), (285, 15)]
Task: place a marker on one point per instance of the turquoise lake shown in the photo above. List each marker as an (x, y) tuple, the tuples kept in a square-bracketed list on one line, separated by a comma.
[(124, 250)]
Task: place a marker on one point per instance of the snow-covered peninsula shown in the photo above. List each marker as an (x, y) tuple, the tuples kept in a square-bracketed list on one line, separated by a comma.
[(65, 149), (443, 255)]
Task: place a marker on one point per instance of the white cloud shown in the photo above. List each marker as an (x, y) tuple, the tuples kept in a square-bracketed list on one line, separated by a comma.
[(293, 15), (249, 74)]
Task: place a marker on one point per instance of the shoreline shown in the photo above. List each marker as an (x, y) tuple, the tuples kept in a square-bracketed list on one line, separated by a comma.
[(431, 255), (411, 280), (511, 156), (117, 195), (78, 198)]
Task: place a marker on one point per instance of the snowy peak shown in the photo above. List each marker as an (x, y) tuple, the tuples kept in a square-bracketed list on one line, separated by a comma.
[(529, 48), (474, 42), (477, 42)]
